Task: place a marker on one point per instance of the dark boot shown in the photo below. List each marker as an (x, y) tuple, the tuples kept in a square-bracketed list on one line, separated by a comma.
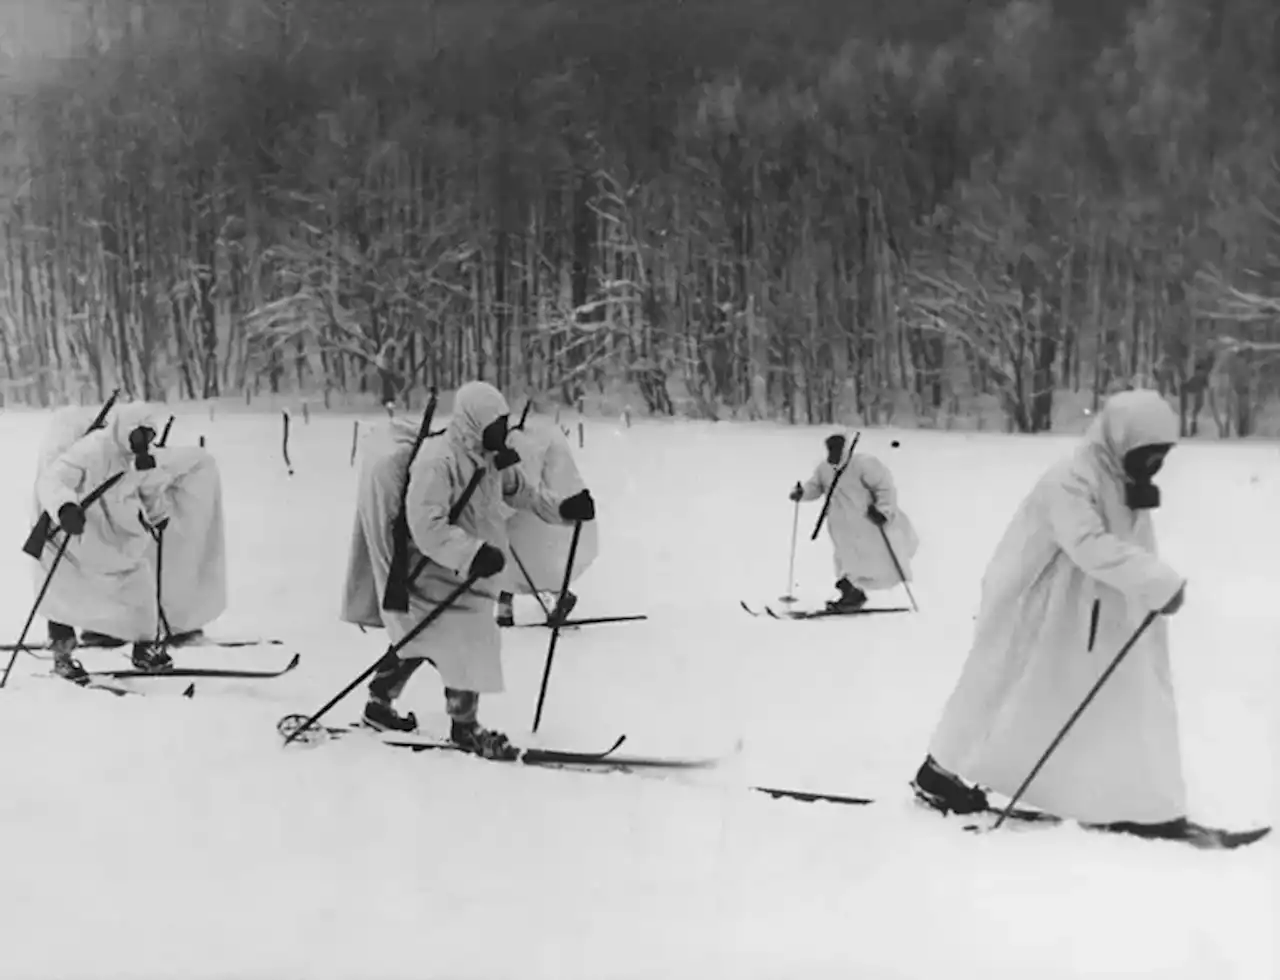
[(382, 717), (62, 643), (851, 597), (151, 657), (506, 612), (388, 683), (946, 792), (468, 734)]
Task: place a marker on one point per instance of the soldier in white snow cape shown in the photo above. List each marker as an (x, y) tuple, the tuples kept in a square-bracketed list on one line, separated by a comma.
[(864, 501), (1073, 577), (106, 583), (453, 508), (543, 549)]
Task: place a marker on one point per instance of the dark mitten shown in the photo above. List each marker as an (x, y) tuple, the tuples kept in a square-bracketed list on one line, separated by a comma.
[(144, 461), (579, 507), (505, 458), (835, 449), (71, 517), (797, 493), (875, 517), (488, 561)]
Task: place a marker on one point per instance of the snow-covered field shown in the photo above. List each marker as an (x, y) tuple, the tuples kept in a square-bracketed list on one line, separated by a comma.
[(162, 837)]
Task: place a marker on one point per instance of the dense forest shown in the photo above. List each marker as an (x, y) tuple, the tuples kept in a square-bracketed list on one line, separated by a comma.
[(812, 210)]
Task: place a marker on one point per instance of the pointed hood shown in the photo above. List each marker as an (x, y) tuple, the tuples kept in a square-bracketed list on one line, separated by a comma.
[(1130, 420), (475, 406)]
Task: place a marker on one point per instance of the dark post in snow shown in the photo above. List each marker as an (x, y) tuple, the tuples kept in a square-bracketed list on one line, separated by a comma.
[(284, 443)]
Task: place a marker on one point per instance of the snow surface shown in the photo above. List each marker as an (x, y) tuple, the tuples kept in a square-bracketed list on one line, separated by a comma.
[(162, 837)]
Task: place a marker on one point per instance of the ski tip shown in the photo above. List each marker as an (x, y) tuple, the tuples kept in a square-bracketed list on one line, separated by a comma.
[(297, 659), (190, 692), (1229, 840), (618, 743)]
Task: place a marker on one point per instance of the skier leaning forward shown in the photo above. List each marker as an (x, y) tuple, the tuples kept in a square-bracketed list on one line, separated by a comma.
[(864, 502), (464, 643), (106, 583), (542, 548), (1074, 575)]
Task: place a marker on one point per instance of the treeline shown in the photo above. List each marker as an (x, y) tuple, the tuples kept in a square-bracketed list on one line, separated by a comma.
[(809, 210)]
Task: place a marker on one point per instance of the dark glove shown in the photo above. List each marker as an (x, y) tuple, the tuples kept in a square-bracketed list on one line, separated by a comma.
[(505, 458), (579, 507), (1174, 604), (488, 561), (875, 517), (797, 493), (71, 517), (144, 461)]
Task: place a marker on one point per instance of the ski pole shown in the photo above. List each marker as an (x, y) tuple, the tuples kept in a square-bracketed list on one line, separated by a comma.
[(392, 651), (88, 502), (163, 631), (532, 588), (555, 630), (20, 645), (1088, 699), (791, 566), (898, 565)]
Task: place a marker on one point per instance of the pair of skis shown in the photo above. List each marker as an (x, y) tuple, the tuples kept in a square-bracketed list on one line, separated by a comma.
[(609, 759), (105, 680), (1201, 838), (823, 613), (195, 644)]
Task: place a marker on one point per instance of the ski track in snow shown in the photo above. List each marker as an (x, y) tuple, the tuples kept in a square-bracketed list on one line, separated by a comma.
[(164, 838)]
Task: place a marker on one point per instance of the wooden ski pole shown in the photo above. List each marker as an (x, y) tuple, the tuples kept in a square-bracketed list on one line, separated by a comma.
[(555, 630), (392, 651), (791, 566), (1088, 699)]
